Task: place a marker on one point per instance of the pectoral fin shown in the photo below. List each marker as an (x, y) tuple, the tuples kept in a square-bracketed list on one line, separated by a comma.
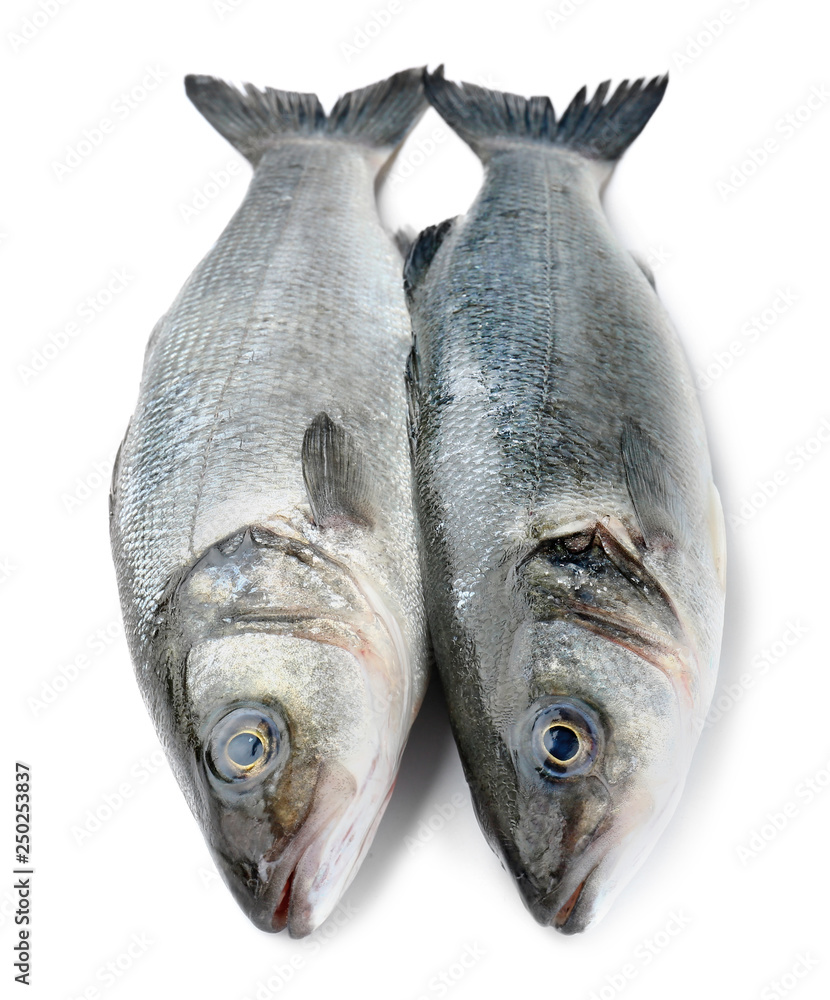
[(658, 501), (337, 482)]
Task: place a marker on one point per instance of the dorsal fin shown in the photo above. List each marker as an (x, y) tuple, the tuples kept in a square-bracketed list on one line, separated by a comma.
[(337, 483), (421, 254), (403, 238), (413, 398)]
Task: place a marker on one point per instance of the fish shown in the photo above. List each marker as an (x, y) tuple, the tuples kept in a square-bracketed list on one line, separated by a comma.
[(261, 509), (572, 538)]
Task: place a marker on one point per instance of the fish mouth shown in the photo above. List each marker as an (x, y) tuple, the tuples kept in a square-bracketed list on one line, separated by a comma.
[(587, 887), (322, 873), (570, 904), (582, 908), (269, 907), (567, 908), (294, 910), (299, 888), (562, 917), (279, 919), (267, 888)]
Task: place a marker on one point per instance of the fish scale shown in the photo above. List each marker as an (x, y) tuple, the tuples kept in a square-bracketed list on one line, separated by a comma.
[(250, 334)]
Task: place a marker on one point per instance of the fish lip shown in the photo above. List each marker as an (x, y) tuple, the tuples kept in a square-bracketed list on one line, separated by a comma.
[(568, 919), (270, 912), (263, 912), (280, 913)]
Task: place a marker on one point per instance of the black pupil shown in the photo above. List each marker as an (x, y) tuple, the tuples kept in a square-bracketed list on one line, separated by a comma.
[(245, 749), (561, 743)]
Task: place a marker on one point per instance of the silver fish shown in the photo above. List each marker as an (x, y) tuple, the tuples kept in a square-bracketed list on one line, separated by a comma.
[(572, 536), (261, 510)]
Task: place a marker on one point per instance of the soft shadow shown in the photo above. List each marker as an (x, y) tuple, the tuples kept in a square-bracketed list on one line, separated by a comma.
[(740, 587), (430, 747), (733, 662)]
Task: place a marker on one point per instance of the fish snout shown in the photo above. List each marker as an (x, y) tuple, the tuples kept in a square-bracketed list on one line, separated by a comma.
[(557, 843), (566, 900)]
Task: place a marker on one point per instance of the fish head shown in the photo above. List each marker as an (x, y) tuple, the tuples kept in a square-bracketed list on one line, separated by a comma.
[(592, 749), (291, 771), (286, 726)]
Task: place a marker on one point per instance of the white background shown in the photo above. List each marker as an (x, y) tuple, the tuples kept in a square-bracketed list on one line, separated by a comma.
[(748, 907)]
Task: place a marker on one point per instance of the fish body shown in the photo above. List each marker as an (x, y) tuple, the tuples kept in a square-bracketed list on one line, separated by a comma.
[(261, 510), (572, 536)]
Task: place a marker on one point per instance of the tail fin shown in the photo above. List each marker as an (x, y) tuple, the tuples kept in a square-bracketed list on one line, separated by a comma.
[(378, 116), (486, 119)]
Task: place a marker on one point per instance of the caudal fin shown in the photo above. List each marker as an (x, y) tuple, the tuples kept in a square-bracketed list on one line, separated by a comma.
[(378, 116), (599, 130)]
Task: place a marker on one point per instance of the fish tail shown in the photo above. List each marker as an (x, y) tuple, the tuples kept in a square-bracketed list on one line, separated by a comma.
[(597, 129), (378, 116)]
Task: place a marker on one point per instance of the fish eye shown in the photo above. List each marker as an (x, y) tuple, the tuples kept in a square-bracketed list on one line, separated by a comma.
[(242, 745), (565, 739)]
